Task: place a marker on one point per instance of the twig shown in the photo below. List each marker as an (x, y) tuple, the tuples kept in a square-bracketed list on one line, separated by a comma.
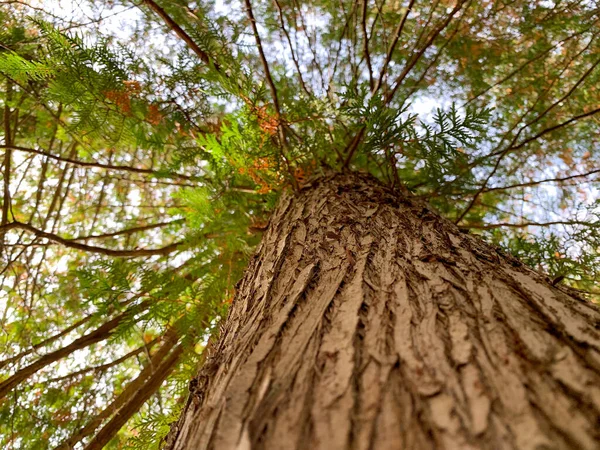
[(128, 231), (516, 147), (388, 56), (366, 44), (547, 180), (293, 54), (7, 159), (263, 58), (180, 32), (90, 248), (530, 224), (98, 165), (420, 53)]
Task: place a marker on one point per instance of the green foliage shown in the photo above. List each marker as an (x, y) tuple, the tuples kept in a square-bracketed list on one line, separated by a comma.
[(444, 147), (14, 66), (570, 255), (137, 141), (151, 429)]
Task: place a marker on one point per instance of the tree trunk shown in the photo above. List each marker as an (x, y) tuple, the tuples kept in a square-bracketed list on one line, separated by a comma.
[(365, 321)]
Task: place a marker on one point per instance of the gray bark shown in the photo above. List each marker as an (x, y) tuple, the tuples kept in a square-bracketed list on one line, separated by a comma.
[(365, 321)]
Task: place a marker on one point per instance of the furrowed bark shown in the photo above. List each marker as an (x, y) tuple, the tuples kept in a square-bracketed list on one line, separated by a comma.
[(365, 321)]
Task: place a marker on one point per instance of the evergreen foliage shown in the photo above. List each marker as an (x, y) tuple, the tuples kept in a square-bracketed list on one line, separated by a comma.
[(140, 167)]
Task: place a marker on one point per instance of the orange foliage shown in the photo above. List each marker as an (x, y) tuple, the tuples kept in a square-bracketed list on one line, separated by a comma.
[(121, 99), (258, 171), (154, 117), (263, 164), (133, 87), (266, 121), (567, 156), (302, 173)]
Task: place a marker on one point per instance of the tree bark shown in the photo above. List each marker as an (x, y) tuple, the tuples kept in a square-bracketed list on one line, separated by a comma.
[(366, 321)]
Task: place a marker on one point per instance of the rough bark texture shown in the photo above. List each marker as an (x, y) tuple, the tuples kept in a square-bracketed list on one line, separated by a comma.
[(364, 321)]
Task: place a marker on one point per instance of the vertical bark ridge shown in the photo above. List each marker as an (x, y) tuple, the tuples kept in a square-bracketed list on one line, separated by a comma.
[(367, 322)]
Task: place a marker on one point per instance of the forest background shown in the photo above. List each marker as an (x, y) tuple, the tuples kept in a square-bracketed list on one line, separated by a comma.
[(144, 145)]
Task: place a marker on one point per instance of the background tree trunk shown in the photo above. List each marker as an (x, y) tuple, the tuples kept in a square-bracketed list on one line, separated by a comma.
[(365, 321)]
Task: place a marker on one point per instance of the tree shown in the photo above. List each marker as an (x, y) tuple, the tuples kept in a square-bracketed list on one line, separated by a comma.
[(365, 315), (366, 321)]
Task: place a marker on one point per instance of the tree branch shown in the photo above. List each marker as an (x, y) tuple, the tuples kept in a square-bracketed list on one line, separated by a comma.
[(45, 342), (91, 248), (420, 53), (104, 367), (180, 32), (136, 402), (530, 224), (390, 51), (100, 334), (7, 159), (128, 231), (526, 63), (97, 164), (505, 152), (550, 129), (367, 54), (547, 180), (263, 58), (293, 54), (127, 395)]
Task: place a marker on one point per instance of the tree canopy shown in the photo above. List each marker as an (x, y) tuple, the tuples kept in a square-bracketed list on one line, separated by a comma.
[(144, 145)]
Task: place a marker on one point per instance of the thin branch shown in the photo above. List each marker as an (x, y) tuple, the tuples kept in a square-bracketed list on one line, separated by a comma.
[(101, 333), (550, 129), (366, 44), (91, 248), (355, 142), (333, 69), (530, 224), (263, 58), (547, 180), (7, 159), (564, 97), (540, 96), (353, 145), (419, 54), (129, 230), (127, 395), (64, 332), (505, 152), (99, 165), (45, 342), (293, 53), (390, 51), (526, 63), (180, 32), (315, 61), (136, 402), (434, 60), (104, 367)]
